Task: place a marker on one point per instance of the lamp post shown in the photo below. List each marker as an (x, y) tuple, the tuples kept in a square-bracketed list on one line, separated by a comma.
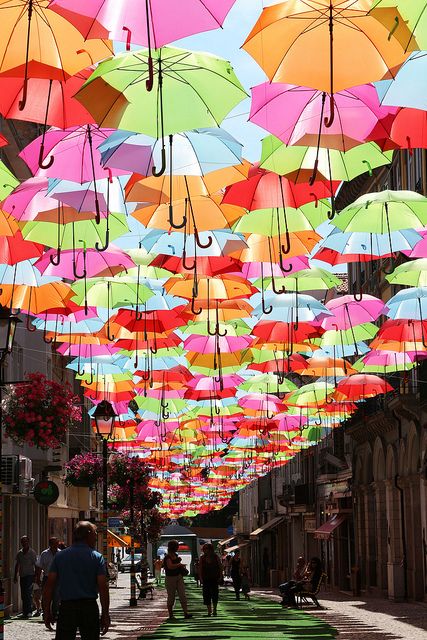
[(133, 602), (104, 417), (8, 323)]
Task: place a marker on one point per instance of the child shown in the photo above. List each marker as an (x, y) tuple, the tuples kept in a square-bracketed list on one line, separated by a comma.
[(246, 582)]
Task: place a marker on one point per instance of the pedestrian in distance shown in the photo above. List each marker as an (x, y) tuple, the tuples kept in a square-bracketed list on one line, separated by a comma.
[(26, 569), (43, 565), (235, 573), (246, 581), (174, 581), (158, 564), (211, 576), (81, 574), (196, 570)]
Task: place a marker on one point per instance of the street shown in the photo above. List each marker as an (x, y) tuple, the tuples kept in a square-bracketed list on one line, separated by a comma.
[(261, 617)]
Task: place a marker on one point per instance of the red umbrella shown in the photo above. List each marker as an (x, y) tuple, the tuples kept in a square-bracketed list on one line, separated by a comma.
[(52, 101), (160, 321), (14, 249), (361, 386), (291, 363), (207, 266), (286, 332), (333, 257), (265, 189)]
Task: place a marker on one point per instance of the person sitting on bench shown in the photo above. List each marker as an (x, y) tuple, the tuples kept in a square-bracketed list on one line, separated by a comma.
[(297, 576), (310, 581)]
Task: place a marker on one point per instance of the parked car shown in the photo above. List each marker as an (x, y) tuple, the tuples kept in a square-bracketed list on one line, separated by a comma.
[(126, 562)]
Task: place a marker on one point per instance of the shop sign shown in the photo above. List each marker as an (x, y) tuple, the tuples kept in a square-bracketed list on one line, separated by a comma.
[(46, 492), (310, 525)]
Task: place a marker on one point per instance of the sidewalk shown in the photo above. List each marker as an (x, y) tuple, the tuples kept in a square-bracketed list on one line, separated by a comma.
[(367, 618)]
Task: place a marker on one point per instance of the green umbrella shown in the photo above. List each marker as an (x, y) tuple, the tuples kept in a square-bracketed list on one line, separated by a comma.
[(314, 279), (413, 273), (7, 181), (357, 333), (297, 163), (267, 383), (191, 90), (409, 13), (76, 234), (271, 222), (310, 394), (384, 212), (233, 328), (110, 294)]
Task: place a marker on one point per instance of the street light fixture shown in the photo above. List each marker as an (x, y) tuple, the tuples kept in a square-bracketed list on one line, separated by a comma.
[(104, 418), (8, 323)]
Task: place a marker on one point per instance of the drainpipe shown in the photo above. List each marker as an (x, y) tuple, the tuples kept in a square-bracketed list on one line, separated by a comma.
[(402, 514)]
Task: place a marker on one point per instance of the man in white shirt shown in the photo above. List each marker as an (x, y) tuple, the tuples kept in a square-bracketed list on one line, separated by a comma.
[(43, 567), (25, 567)]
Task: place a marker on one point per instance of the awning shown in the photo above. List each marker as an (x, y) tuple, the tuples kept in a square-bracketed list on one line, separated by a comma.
[(116, 541), (324, 532), (221, 543), (265, 527), (236, 546)]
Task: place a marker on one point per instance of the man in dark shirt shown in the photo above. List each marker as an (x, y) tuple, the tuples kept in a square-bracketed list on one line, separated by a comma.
[(81, 573)]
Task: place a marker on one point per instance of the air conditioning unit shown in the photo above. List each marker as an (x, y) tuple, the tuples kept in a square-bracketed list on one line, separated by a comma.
[(10, 473), (26, 480)]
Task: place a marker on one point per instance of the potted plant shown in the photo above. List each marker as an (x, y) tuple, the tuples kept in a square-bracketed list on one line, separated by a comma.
[(84, 470), (40, 413)]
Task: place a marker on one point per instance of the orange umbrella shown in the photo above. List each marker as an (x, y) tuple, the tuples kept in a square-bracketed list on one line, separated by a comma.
[(35, 299), (56, 50), (204, 213), (322, 43), (325, 367), (8, 224), (258, 249), (228, 310), (166, 188), (227, 288)]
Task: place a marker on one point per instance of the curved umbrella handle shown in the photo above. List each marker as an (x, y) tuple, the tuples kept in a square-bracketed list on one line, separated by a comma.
[(331, 213), (159, 172), (358, 296), (282, 264), (368, 164), (329, 121), (42, 164), (173, 224), (193, 310), (31, 328), (98, 247), (395, 26), (22, 103), (315, 198), (110, 337), (198, 241), (392, 267), (80, 276), (318, 423), (55, 260), (266, 310), (273, 285)]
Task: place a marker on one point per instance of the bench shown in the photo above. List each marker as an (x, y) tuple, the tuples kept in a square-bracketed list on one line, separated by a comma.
[(303, 597), (145, 588)]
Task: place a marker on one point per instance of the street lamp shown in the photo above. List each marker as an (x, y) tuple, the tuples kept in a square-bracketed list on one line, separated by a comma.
[(104, 417), (8, 323)]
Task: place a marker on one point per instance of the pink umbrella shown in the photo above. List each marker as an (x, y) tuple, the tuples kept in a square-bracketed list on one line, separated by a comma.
[(127, 20), (86, 350), (210, 344), (261, 402), (75, 153), (391, 360), (206, 383), (161, 393), (29, 198), (420, 249), (297, 115), (290, 422), (348, 312), (74, 263), (252, 270)]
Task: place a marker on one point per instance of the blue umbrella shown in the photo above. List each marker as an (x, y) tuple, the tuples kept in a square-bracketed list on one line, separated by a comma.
[(409, 89), (194, 152), (409, 304), (288, 307), (24, 272), (364, 243)]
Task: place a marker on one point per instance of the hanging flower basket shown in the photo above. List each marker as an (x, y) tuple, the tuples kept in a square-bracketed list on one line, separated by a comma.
[(84, 470), (124, 469), (40, 413)]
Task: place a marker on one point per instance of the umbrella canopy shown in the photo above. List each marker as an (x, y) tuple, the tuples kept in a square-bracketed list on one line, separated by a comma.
[(212, 91), (312, 43), (122, 19)]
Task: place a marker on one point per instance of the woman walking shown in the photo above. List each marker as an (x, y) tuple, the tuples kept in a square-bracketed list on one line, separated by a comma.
[(174, 581), (210, 574), (235, 573)]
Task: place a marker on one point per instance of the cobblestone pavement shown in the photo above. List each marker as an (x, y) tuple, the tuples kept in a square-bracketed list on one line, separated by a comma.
[(354, 618), (368, 618), (127, 623)]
